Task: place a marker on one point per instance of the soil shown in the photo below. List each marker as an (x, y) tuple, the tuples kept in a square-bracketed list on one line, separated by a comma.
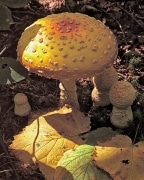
[(125, 19)]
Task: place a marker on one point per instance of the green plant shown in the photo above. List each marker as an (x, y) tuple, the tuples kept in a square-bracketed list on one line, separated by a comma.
[(5, 12), (10, 69), (135, 82), (141, 138), (138, 114), (134, 62)]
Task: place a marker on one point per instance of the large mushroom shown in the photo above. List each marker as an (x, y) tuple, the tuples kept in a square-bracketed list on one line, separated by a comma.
[(67, 46)]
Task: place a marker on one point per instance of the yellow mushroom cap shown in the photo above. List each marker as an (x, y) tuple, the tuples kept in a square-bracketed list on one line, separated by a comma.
[(122, 94), (67, 45)]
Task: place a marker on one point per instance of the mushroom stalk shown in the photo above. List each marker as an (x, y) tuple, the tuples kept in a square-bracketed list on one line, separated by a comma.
[(68, 93), (102, 84), (121, 118)]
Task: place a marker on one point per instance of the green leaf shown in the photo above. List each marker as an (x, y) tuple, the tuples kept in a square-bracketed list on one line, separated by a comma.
[(11, 71), (77, 164), (5, 18), (14, 3)]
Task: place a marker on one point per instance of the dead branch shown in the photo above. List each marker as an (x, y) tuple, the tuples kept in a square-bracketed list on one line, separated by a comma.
[(132, 16)]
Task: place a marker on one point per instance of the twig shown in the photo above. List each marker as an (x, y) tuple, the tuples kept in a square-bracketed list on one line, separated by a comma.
[(6, 112), (89, 8), (26, 12), (67, 5), (131, 16), (136, 134), (122, 75), (120, 26), (7, 154), (117, 23), (3, 50), (139, 17)]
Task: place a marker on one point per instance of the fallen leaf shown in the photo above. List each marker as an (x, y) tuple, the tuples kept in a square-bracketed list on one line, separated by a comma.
[(120, 158), (100, 134), (11, 71), (5, 18), (118, 141), (77, 164), (48, 136), (14, 3)]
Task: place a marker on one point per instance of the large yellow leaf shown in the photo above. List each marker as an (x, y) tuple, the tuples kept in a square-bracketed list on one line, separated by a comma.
[(120, 158), (48, 136)]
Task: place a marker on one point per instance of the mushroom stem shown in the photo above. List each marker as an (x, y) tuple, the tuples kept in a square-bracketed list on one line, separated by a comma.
[(68, 93), (102, 84), (121, 118)]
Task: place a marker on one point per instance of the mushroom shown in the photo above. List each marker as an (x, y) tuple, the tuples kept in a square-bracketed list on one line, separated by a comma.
[(102, 84), (67, 46), (122, 95), (22, 106)]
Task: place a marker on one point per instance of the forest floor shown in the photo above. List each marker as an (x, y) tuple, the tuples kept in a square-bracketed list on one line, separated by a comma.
[(125, 19)]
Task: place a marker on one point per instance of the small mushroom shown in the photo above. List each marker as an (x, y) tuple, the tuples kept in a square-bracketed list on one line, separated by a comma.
[(122, 95), (22, 106), (67, 46)]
